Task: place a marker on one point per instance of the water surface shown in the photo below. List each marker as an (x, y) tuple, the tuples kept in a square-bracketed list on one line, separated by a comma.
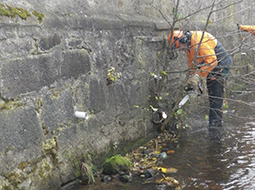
[(211, 158)]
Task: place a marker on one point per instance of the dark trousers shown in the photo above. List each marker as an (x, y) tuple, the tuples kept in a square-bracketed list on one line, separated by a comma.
[(215, 89)]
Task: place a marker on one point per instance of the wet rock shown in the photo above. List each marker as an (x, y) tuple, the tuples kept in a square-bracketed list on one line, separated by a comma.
[(106, 179), (162, 155), (148, 173), (125, 177), (116, 164)]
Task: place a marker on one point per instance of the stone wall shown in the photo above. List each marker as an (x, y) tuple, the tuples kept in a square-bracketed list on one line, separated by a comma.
[(55, 65), (51, 69)]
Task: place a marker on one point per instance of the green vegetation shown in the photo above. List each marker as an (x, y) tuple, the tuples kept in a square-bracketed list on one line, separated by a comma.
[(112, 76), (39, 16), (9, 105), (83, 168), (116, 164), (6, 10), (87, 173)]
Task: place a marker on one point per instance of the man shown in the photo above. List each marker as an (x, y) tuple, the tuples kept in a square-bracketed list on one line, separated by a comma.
[(206, 58)]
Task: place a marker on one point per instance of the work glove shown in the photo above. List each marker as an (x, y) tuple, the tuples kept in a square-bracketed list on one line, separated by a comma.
[(192, 83)]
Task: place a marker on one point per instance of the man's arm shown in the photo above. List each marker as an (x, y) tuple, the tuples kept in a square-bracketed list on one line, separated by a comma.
[(207, 53), (247, 28)]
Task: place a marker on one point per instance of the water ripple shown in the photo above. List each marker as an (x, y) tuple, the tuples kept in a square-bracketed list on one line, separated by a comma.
[(243, 168)]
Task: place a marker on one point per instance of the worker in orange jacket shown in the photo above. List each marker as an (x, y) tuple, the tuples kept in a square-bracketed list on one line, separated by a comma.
[(206, 58), (247, 28)]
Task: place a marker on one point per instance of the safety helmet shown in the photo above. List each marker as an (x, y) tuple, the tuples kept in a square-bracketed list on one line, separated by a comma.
[(177, 38)]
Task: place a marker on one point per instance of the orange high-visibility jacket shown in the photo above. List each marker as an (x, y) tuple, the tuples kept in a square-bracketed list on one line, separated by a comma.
[(248, 28), (206, 59)]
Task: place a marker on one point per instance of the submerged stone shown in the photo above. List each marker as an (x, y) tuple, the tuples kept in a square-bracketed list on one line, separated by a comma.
[(124, 177)]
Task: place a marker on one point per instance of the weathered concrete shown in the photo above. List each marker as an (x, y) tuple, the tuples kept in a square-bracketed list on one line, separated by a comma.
[(52, 68)]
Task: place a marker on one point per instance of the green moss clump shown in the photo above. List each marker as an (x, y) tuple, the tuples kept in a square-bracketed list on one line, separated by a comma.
[(22, 13), (23, 165), (3, 11), (49, 144), (6, 10), (5, 187), (116, 164), (44, 169), (39, 16), (16, 177)]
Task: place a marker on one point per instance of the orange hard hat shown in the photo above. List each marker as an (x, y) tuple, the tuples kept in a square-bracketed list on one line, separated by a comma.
[(177, 34)]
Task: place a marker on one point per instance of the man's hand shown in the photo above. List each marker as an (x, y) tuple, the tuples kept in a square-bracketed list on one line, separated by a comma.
[(192, 83)]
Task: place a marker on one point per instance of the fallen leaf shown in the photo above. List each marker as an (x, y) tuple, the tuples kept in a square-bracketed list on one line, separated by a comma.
[(170, 152), (167, 170)]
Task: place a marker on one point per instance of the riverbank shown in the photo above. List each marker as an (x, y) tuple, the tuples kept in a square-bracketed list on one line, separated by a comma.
[(147, 167)]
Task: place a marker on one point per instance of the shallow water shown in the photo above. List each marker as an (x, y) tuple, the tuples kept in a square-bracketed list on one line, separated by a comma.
[(221, 158)]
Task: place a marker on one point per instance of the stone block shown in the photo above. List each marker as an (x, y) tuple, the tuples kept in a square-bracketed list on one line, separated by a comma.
[(32, 73), (21, 137), (97, 95), (49, 42), (57, 110), (107, 23), (16, 47), (162, 25), (27, 74), (75, 63)]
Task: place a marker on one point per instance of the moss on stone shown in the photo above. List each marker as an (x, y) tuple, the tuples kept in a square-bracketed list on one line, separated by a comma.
[(10, 105), (39, 16), (49, 144), (3, 11), (16, 177), (44, 169), (5, 187), (6, 10), (22, 13), (116, 164), (23, 165), (9, 11)]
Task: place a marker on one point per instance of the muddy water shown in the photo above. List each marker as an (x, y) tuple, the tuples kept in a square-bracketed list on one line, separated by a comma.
[(221, 158)]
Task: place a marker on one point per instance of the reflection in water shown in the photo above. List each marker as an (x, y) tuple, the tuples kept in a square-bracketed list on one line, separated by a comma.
[(244, 162), (223, 157), (204, 156), (217, 171), (214, 158)]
